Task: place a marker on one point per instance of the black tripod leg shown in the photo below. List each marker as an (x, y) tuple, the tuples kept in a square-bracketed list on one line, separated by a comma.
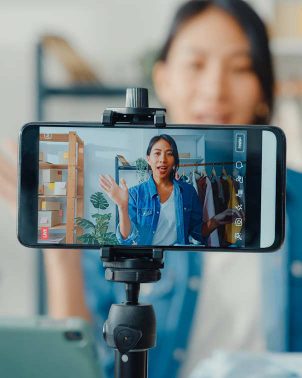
[(131, 365)]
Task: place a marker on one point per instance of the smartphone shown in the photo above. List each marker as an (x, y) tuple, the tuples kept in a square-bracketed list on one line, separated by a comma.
[(179, 187), (49, 348)]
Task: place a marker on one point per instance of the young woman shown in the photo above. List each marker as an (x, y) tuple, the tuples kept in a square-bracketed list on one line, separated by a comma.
[(215, 67), (162, 210)]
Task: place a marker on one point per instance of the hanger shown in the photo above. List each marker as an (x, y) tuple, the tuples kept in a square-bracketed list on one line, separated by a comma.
[(213, 173), (223, 171)]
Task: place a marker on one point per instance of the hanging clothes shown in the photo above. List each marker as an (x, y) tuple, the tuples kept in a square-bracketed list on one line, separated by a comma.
[(205, 195), (209, 212), (219, 204)]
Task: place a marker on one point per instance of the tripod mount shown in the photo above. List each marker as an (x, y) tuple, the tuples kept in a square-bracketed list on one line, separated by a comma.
[(131, 326)]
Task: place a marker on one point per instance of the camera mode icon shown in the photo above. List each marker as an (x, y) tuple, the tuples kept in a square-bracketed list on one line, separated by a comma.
[(238, 222)]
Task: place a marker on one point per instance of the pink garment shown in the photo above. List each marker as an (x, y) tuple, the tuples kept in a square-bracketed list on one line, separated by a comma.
[(209, 212)]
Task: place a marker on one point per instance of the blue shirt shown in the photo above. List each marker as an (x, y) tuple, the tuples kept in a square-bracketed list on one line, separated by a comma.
[(144, 210)]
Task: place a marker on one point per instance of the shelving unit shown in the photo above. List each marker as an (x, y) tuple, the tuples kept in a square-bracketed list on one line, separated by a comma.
[(75, 181), (46, 91)]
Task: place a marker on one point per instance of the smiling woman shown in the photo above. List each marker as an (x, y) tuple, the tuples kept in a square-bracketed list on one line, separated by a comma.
[(161, 211)]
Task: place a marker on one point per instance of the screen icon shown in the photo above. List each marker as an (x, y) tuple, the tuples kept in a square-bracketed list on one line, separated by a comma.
[(239, 179), (239, 193), (239, 164), (238, 236), (239, 145), (238, 222)]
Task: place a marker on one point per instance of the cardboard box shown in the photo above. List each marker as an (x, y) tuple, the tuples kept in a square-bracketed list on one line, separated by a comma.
[(51, 175), (55, 188), (49, 205), (49, 218)]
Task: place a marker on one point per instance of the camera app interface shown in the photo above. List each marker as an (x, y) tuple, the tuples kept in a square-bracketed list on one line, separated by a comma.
[(143, 187)]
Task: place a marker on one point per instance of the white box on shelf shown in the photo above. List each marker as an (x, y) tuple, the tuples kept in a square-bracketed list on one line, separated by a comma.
[(60, 188)]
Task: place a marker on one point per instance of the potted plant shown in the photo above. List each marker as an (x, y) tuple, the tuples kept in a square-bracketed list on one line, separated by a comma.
[(97, 232)]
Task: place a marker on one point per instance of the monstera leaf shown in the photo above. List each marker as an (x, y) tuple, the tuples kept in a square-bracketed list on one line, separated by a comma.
[(99, 201)]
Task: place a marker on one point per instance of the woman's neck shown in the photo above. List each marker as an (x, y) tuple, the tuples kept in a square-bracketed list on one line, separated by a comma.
[(165, 182)]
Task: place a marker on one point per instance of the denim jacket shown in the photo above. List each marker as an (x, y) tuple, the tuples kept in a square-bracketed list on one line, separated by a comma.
[(144, 210)]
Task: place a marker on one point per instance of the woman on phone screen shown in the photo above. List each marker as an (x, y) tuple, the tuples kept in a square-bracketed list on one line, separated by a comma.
[(162, 210)]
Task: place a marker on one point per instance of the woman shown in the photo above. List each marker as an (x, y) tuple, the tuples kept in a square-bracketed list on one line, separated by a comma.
[(169, 208), (214, 67)]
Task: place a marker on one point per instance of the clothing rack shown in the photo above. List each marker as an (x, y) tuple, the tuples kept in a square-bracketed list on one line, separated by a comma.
[(211, 164)]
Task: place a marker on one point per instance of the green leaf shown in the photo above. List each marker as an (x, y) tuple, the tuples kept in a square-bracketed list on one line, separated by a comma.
[(99, 201), (102, 224), (110, 238), (88, 239), (101, 216), (84, 223)]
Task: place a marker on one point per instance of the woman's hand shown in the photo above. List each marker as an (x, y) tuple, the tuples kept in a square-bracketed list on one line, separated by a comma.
[(228, 216), (8, 174), (118, 194)]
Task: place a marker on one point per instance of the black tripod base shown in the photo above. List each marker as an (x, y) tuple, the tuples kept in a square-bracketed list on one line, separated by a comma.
[(131, 365)]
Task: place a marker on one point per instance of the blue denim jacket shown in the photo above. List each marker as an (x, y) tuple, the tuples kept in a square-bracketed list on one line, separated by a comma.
[(174, 296), (144, 210)]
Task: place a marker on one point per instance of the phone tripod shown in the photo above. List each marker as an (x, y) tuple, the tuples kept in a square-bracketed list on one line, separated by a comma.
[(131, 326)]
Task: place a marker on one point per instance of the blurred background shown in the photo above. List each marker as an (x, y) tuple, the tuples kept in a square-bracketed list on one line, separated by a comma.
[(65, 60)]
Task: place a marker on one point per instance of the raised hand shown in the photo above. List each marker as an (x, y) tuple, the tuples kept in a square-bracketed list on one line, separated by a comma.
[(8, 174), (118, 194)]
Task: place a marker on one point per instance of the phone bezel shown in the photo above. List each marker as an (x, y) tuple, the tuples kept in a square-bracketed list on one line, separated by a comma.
[(28, 165)]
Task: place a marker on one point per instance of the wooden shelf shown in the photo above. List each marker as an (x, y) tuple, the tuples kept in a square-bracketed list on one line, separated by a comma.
[(58, 227), (75, 181), (43, 165), (57, 196)]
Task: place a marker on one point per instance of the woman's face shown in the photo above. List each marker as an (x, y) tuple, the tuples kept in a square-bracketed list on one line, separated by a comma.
[(208, 76), (161, 159)]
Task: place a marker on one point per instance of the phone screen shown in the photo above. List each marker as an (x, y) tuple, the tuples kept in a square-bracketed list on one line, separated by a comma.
[(203, 188)]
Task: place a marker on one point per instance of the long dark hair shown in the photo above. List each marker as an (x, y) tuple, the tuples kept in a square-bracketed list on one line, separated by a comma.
[(173, 145), (255, 31)]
